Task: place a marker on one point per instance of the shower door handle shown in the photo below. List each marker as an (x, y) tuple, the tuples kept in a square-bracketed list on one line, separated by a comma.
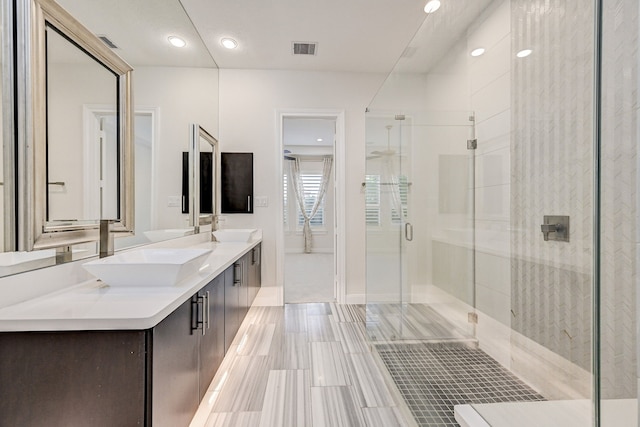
[(408, 231)]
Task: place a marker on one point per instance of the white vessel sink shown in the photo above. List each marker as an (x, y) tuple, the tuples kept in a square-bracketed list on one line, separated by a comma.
[(234, 234), (17, 262), (148, 267), (166, 234)]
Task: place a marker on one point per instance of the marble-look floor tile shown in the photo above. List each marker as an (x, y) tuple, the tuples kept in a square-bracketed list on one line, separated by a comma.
[(348, 312), (318, 308), (245, 386), (256, 340), (335, 406), (353, 338), (383, 417), (287, 401), (328, 364), (235, 419), (274, 363), (369, 384), (293, 353), (264, 315), (295, 319), (321, 328)]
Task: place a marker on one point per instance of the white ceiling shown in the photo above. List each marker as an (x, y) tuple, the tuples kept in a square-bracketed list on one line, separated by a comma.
[(352, 35), (140, 29), (306, 131)]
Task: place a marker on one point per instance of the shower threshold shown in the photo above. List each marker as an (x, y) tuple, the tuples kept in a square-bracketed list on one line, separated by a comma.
[(553, 413)]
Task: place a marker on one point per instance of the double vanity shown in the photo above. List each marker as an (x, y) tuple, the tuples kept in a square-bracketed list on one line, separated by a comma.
[(95, 354)]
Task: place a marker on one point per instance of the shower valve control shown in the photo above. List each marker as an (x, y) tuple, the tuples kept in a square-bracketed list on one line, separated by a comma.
[(555, 227)]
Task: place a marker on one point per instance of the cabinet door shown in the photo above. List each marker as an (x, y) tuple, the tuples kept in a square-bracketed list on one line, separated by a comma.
[(83, 378), (174, 355), (212, 340), (236, 183), (255, 272), (243, 280), (231, 301)]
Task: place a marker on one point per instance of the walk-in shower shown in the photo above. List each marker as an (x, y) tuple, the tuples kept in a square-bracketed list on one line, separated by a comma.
[(476, 165)]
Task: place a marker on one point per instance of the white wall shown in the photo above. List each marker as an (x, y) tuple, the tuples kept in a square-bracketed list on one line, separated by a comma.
[(249, 105)]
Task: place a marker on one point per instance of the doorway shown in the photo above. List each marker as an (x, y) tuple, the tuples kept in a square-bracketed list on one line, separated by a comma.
[(100, 132), (309, 208)]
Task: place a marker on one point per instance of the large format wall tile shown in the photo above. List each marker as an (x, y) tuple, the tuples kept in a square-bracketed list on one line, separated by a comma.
[(552, 174)]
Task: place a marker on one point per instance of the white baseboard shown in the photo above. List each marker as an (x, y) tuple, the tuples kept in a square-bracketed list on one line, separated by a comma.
[(269, 296), (356, 299)]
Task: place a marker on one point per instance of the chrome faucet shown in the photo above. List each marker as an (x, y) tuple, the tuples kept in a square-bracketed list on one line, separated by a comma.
[(106, 238)]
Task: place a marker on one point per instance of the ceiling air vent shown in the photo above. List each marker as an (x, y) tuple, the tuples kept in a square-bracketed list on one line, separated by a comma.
[(108, 42), (305, 48)]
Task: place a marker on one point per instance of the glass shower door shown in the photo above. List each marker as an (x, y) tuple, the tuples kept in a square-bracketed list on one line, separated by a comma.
[(384, 258), (419, 203)]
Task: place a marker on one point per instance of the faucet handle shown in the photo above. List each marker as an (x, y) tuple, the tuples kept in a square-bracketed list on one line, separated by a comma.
[(558, 225)]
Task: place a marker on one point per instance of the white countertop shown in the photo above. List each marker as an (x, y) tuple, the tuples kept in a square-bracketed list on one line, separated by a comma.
[(92, 305)]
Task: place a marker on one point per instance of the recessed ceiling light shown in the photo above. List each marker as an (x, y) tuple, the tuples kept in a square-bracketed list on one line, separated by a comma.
[(432, 6), (477, 52), (229, 43), (524, 53), (177, 41), (319, 139)]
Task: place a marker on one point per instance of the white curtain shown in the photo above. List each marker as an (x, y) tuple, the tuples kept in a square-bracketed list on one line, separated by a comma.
[(298, 189)]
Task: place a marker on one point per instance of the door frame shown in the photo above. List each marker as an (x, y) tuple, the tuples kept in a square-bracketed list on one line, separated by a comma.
[(339, 202), (90, 112)]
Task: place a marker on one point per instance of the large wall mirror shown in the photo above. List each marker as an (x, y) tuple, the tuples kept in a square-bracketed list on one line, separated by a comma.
[(74, 182), (172, 88)]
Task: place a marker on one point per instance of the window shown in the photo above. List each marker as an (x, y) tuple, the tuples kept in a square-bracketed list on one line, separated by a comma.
[(311, 184), (372, 197), (404, 189), (285, 198)]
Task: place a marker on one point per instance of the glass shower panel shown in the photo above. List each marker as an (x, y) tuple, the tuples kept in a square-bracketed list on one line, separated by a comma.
[(619, 232), (419, 196), (384, 224), (472, 247)]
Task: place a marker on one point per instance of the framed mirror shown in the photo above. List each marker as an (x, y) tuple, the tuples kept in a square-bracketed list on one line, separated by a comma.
[(174, 88), (76, 179), (203, 178)]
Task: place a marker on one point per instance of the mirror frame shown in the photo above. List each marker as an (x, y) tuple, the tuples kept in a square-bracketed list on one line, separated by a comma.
[(195, 218), (34, 15), (8, 135)]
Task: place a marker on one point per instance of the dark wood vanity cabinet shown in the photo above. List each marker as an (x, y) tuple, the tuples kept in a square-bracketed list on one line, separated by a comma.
[(186, 350), (75, 378), (155, 377), (242, 283), (254, 274), (236, 182), (212, 348)]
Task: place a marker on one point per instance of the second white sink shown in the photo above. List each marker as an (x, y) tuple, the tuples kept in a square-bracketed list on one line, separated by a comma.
[(148, 267)]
